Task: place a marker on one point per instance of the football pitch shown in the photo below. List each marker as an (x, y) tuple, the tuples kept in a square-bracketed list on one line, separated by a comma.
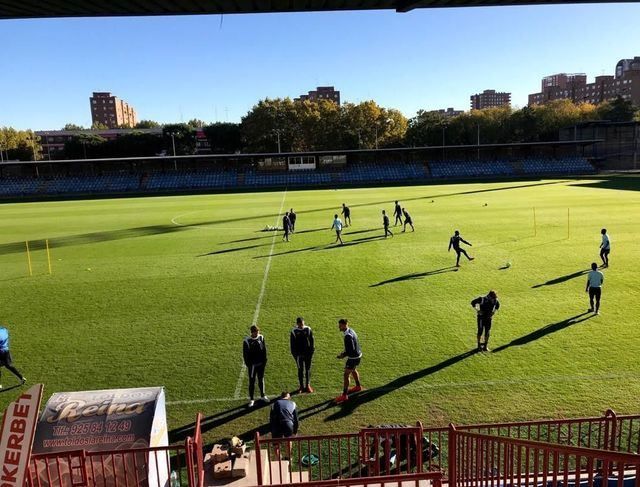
[(160, 291)]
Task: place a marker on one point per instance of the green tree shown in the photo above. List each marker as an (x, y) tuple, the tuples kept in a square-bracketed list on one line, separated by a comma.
[(98, 126), (84, 146), (23, 145), (182, 135), (270, 121), (617, 110), (147, 124), (73, 126), (224, 138), (196, 123)]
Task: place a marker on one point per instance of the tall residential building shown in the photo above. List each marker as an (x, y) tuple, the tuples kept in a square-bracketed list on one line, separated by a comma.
[(625, 83), (321, 93), (448, 113), (490, 98), (111, 111)]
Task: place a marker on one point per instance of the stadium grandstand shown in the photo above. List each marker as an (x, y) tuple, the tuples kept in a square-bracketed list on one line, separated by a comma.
[(216, 173)]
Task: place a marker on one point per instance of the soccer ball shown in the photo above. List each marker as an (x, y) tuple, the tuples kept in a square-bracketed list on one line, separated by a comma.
[(507, 265)]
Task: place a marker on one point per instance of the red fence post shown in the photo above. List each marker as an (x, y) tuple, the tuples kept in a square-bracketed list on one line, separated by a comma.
[(452, 460), (258, 458), (611, 429)]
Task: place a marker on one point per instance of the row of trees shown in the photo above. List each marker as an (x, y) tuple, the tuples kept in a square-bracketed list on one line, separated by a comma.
[(282, 125)]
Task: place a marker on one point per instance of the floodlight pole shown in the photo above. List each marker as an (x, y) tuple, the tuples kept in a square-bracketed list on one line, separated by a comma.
[(173, 144)]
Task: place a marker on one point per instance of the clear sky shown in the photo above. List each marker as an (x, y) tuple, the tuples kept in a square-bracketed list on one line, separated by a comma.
[(217, 67)]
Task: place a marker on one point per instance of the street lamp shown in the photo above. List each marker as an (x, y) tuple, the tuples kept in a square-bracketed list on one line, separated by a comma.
[(84, 148), (173, 143), (277, 132), (386, 121)]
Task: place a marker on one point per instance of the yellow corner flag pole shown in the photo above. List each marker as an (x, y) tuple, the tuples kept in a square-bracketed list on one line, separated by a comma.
[(535, 227), (568, 224), (29, 258), (46, 242)]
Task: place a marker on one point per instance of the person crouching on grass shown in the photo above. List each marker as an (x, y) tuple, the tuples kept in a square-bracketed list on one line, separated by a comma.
[(353, 354), (283, 420)]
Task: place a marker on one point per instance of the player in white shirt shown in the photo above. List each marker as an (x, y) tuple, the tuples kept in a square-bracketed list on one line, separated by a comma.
[(337, 226), (595, 279), (605, 248)]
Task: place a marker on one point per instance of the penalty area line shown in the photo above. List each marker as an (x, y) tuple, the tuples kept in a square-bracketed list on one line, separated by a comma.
[(256, 313)]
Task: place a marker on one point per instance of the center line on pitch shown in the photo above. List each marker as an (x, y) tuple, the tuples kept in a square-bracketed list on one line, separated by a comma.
[(256, 313)]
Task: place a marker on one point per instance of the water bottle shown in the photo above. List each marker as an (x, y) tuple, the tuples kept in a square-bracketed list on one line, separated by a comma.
[(175, 482)]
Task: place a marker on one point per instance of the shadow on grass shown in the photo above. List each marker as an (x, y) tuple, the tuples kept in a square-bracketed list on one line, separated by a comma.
[(10, 388), (416, 275), (331, 246), (619, 183), (561, 279), (369, 395), (544, 331), (251, 239)]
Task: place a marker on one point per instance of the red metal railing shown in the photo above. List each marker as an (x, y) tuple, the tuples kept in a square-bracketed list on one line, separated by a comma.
[(423, 479), (478, 460), (380, 451)]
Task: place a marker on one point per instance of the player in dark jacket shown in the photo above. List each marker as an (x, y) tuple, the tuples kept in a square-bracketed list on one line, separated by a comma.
[(346, 212), (455, 243), (254, 352), (286, 227), (486, 306), (292, 219), (407, 221), (397, 212), (353, 354), (385, 224), (302, 348)]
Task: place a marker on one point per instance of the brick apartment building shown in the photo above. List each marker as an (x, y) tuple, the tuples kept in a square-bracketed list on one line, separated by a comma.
[(321, 93), (448, 113), (625, 83), (489, 99), (111, 111)]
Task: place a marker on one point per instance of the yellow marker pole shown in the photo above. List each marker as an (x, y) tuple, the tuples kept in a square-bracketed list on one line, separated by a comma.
[(46, 242), (535, 227), (29, 258), (568, 224)]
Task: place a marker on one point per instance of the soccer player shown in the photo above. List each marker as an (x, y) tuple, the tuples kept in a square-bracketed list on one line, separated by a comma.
[(286, 227), (302, 348), (407, 220), (254, 352), (346, 212), (486, 306), (455, 243), (5, 355), (605, 248), (292, 220), (337, 225), (595, 279), (397, 212), (385, 224), (353, 353)]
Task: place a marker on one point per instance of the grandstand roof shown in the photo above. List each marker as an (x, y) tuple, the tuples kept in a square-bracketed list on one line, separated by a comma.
[(13, 9)]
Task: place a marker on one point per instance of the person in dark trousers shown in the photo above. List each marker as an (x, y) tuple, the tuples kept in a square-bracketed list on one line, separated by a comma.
[(397, 212), (283, 419), (595, 280), (337, 226), (302, 348), (486, 306), (5, 355), (346, 213), (254, 352), (455, 243), (286, 227), (385, 224), (407, 221), (605, 248), (292, 220), (353, 354)]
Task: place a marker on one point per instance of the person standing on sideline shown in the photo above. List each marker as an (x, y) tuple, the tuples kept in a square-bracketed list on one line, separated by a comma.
[(337, 225), (455, 243), (5, 355), (486, 306), (605, 248), (407, 221), (595, 280), (292, 220), (346, 213), (397, 212), (302, 348), (286, 227), (283, 419), (254, 352), (353, 353), (385, 224)]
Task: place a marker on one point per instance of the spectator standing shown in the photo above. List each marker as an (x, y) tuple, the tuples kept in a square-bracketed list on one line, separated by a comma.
[(254, 351)]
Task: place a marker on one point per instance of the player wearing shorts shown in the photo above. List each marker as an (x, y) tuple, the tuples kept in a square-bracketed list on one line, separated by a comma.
[(353, 354), (337, 225), (455, 242), (605, 248), (486, 306), (407, 221)]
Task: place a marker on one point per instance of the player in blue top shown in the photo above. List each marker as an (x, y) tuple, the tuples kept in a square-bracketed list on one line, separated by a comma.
[(353, 354), (5, 355)]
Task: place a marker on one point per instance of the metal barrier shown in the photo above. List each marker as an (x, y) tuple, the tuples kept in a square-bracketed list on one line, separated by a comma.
[(424, 479), (481, 460)]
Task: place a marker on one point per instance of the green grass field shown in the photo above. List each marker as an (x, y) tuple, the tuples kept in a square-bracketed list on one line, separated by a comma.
[(161, 291)]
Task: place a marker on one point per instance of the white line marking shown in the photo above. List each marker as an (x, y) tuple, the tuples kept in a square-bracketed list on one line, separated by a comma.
[(256, 313), (487, 383)]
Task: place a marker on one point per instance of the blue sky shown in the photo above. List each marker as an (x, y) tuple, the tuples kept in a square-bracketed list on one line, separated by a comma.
[(217, 67)]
